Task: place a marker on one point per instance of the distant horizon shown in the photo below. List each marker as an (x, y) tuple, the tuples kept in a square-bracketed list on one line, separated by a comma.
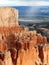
[(33, 13)]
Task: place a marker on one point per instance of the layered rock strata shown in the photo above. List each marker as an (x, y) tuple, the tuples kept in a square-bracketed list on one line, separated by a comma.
[(20, 47)]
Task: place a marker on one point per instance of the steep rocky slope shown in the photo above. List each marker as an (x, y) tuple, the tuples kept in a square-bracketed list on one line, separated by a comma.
[(18, 46)]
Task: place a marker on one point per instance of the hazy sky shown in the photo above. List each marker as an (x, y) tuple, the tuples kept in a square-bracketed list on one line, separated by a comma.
[(34, 13), (24, 2)]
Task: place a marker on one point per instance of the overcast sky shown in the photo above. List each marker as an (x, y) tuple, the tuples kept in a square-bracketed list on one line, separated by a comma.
[(24, 2)]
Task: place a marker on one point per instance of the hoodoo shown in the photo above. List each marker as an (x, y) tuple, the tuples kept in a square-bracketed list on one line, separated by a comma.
[(18, 46)]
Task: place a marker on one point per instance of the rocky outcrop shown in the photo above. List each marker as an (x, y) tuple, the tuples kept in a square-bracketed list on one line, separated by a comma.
[(20, 47), (7, 58), (8, 21), (25, 48), (8, 17)]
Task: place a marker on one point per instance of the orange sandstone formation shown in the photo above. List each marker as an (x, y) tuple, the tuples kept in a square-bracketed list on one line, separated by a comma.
[(18, 46)]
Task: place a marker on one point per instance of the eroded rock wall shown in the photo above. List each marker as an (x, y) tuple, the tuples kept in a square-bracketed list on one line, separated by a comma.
[(8, 17)]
